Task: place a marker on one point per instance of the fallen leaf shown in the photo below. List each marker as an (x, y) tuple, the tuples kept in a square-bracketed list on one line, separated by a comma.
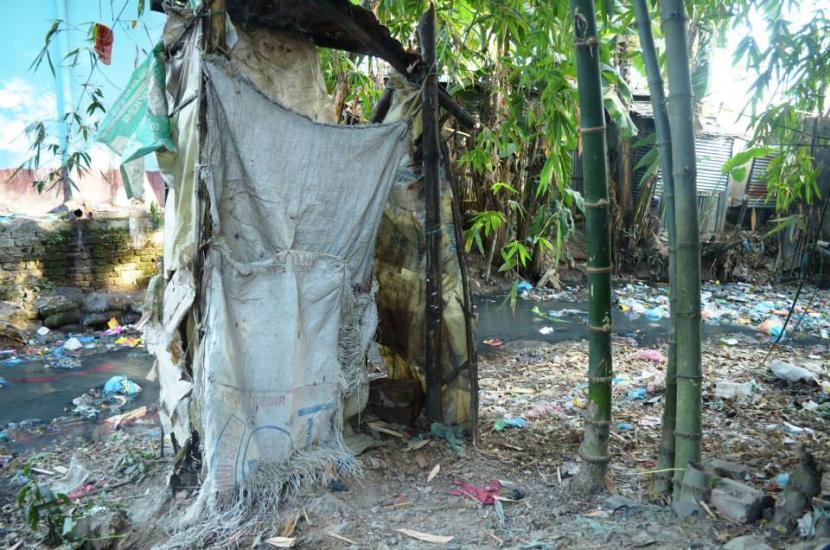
[(419, 445), (281, 542), (378, 427), (426, 537), (433, 473), (289, 525), (342, 538)]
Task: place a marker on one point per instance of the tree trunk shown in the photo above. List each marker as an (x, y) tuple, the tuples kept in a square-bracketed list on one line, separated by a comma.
[(594, 449), (687, 324), (661, 122)]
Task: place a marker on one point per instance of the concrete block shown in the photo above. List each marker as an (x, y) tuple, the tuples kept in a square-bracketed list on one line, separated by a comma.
[(739, 502)]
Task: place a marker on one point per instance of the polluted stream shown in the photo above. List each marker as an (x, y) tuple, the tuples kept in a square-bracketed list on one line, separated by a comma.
[(34, 391), (561, 321)]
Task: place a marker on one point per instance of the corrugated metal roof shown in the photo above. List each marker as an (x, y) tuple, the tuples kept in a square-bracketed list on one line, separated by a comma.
[(756, 185)]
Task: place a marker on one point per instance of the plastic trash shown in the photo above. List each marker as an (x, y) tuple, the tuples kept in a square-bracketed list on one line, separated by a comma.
[(72, 344), (770, 325), (790, 373), (792, 429), (121, 385), (3, 382), (453, 435), (733, 390), (63, 363), (546, 330), (654, 314), (504, 423), (523, 286), (43, 331), (782, 479), (623, 426), (12, 361), (636, 394), (651, 355)]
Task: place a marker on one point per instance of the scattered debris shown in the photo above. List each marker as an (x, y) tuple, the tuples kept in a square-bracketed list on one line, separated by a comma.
[(739, 502), (425, 537)]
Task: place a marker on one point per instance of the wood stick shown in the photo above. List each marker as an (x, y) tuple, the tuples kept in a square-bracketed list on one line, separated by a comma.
[(430, 159)]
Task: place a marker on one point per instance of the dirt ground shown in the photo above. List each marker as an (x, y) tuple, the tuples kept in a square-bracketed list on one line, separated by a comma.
[(409, 488)]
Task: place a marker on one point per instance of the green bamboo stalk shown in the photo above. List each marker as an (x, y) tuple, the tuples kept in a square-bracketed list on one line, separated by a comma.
[(665, 461), (594, 449), (681, 120)]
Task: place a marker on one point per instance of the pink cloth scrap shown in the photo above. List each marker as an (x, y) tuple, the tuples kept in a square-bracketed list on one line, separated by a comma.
[(485, 495)]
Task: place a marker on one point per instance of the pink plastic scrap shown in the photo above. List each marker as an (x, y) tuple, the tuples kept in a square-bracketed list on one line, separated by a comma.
[(115, 331), (651, 355), (485, 495)]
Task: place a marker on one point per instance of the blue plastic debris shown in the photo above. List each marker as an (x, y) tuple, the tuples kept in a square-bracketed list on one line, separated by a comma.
[(636, 394), (12, 361), (625, 426), (121, 385), (503, 423), (522, 286), (782, 479), (3, 382), (654, 314)]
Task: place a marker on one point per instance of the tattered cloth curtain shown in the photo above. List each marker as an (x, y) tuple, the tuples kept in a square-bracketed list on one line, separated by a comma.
[(287, 309)]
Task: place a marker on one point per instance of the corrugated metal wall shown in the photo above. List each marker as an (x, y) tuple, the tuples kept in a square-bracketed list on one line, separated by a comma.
[(756, 186), (712, 184)]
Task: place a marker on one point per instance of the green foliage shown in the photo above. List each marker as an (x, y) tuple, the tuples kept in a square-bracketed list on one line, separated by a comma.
[(156, 216), (793, 78), (43, 508), (67, 138), (132, 462)]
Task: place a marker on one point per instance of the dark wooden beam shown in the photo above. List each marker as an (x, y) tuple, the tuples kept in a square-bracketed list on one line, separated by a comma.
[(382, 106), (216, 41), (396, 57), (430, 160)]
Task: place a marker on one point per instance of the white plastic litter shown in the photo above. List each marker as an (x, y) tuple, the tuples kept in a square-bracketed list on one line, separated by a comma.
[(72, 344)]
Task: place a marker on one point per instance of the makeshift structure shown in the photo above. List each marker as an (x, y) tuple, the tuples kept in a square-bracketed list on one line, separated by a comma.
[(300, 255)]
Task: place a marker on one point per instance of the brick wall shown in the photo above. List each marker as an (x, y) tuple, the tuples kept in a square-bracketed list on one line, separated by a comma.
[(84, 253)]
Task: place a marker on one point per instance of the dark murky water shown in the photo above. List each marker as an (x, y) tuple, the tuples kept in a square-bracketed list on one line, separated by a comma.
[(37, 392), (496, 319)]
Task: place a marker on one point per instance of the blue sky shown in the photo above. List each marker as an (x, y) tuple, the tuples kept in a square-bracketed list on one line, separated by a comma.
[(27, 96)]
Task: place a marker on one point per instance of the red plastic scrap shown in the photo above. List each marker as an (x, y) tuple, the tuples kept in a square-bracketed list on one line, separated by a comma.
[(102, 35), (485, 495)]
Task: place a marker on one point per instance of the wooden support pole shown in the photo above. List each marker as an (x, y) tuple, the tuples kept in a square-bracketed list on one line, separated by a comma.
[(217, 42), (382, 106), (430, 160)]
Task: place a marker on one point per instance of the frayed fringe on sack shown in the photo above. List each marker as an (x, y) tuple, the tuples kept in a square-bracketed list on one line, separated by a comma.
[(218, 518)]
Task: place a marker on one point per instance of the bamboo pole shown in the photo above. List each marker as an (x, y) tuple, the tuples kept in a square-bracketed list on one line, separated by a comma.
[(665, 463), (430, 159), (594, 450), (681, 120)]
